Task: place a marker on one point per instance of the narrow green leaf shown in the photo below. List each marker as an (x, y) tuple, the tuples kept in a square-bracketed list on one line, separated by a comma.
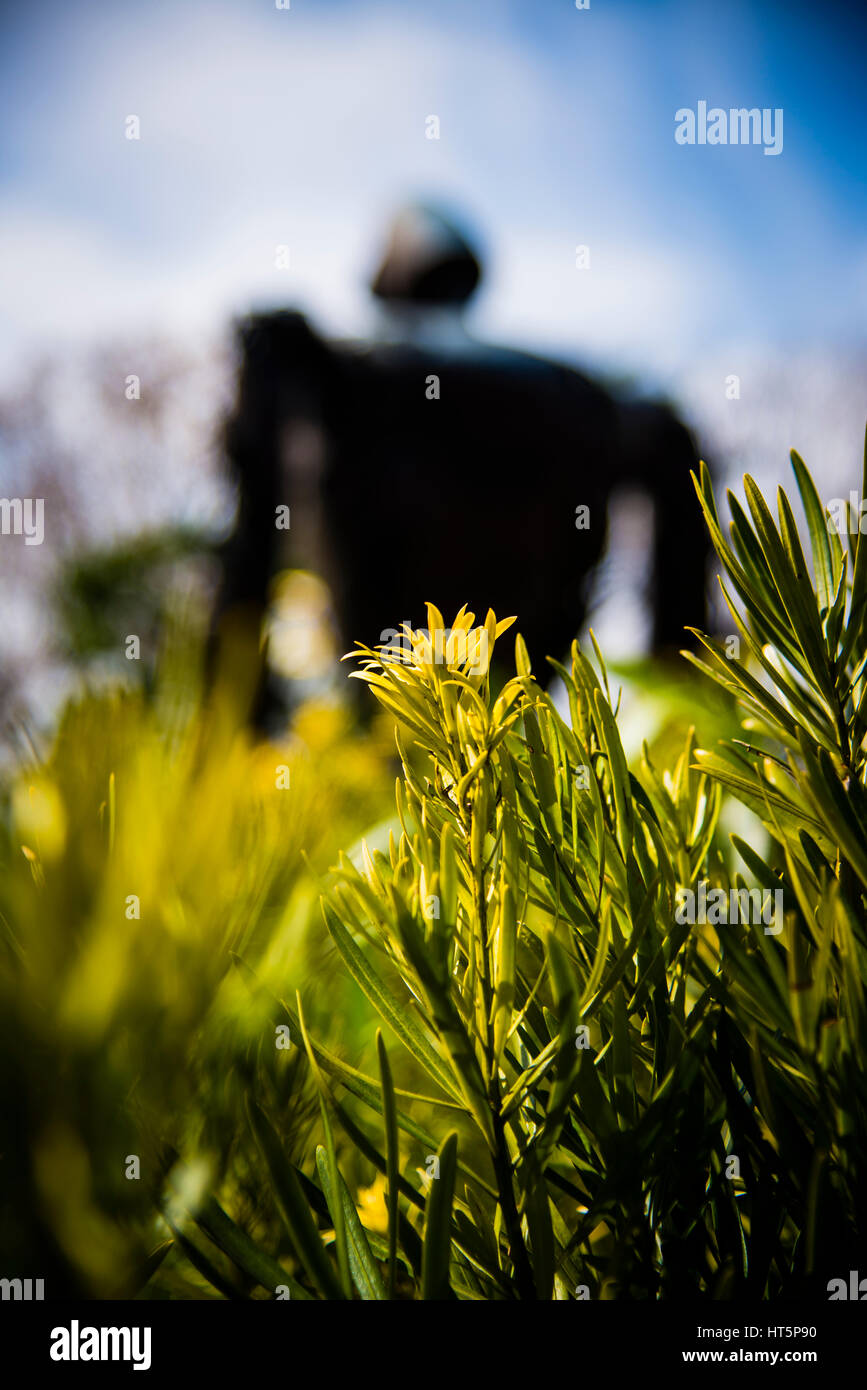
[(365, 1271), (619, 774), (243, 1252), (395, 1014), (201, 1260), (817, 524), (537, 1210), (437, 1227), (392, 1158), (293, 1206)]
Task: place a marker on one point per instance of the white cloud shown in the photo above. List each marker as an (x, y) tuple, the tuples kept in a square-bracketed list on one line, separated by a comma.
[(304, 128)]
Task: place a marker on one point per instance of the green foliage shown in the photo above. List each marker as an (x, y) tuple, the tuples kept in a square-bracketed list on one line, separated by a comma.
[(124, 1027), (801, 1003), (103, 594), (642, 1107), (576, 1089)]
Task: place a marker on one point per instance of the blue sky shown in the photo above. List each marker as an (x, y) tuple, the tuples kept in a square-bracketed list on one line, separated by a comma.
[(305, 127)]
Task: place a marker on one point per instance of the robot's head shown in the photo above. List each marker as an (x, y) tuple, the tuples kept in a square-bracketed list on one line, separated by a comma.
[(427, 261)]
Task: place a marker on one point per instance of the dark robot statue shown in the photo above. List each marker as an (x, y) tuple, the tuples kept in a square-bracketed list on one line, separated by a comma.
[(422, 465)]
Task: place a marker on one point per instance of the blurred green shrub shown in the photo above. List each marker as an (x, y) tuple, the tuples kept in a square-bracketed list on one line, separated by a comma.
[(155, 838)]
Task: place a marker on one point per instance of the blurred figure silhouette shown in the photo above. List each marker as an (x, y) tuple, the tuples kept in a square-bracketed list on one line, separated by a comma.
[(422, 465)]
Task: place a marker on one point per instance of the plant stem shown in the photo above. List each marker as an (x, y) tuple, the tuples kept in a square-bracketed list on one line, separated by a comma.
[(502, 1163), (503, 1170)]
